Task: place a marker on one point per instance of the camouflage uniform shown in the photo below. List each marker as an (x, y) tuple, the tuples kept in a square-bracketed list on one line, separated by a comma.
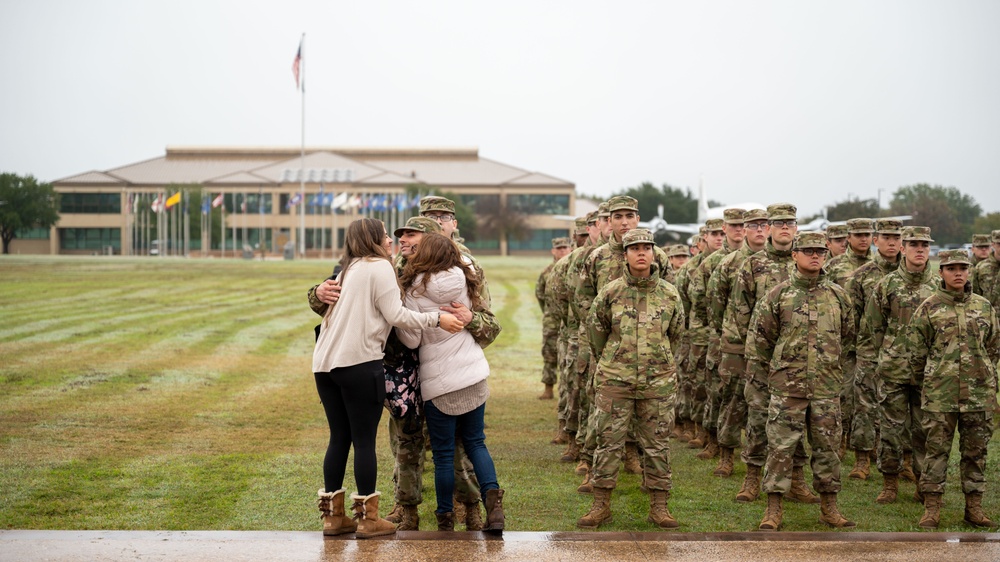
[(567, 329), (685, 381), (632, 323), (953, 347), (986, 279), (881, 356), (698, 332), (795, 340), (670, 276), (550, 323), (978, 240)]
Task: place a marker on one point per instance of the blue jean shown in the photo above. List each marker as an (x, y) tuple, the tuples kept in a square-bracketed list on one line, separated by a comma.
[(443, 430)]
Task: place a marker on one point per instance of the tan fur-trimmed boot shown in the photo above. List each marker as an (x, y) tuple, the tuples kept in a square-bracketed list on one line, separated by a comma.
[(725, 467), (600, 510), (774, 513), (331, 508), (862, 466), (473, 517), (494, 512), (366, 514), (830, 514), (932, 511), (890, 489), (631, 460), (711, 449), (659, 511), (800, 491), (974, 514), (751, 485)]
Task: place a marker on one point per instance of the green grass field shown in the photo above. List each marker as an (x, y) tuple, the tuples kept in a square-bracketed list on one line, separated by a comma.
[(177, 394)]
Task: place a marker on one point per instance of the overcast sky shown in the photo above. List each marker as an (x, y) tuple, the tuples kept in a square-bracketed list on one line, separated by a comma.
[(801, 101)]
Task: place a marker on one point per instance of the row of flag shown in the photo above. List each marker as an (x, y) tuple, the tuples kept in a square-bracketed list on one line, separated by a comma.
[(377, 202)]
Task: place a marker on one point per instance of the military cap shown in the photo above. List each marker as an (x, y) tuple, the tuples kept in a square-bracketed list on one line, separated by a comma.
[(702, 230), (917, 233), (435, 203), (809, 240), (949, 257), (889, 226), (561, 242), (734, 216), (781, 211), (678, 250), (712, 225), (418, 224), (622, 203), (592, 217), (755, 215), (580, 225), (602, 210), (996, 235), (836, 231), (980, 239), (860, 226), (637, 236), (696, 239)]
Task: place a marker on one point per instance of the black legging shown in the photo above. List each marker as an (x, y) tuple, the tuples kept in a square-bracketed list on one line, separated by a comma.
[(352, 397)]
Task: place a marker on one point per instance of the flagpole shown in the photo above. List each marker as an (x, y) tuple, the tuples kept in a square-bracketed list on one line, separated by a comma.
[(302, 159)]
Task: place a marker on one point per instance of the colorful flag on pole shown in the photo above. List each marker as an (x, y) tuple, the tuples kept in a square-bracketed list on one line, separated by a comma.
[(157, 205), (174, 199), (294, 200), (217, 201), (296, 63)]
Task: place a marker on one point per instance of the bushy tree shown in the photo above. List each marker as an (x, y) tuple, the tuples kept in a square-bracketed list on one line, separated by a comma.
[(986, 223), (852, 208), (949, 212), (679, 205), (25, 203)]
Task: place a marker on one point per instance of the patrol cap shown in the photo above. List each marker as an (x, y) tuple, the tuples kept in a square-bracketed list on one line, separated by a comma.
[(781, 211), (602, 210), (622, 203), (696, 239), (733, 215), (592, 217), (809, 240), (714, 225), (860, 226), (949, 257), (561, 242), (835, 231), (702, 230), (418, 224), (917, 233), (755, 215), (678, 250), (996, 235), (888, 226), (980, 239), (637, 236), (436, 203), (580, 224)]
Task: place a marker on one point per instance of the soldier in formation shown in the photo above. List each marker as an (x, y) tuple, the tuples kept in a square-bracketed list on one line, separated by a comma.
[(836, 239), (550, 325)]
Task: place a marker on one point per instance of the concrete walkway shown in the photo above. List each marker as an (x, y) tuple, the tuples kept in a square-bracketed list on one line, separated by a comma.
[(231, 546)]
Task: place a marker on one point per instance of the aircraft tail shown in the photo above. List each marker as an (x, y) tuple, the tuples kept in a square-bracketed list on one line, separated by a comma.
[(702, 202)]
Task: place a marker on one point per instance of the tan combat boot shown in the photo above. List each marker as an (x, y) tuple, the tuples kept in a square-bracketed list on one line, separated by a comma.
[(395, 514), (473, 517), (587, 487), (600, 510), (582, 468), (907, 473), (561, 437), (331, 508), (631, 460), (829, 513), (725, 466), (774, 513), (572, 450), (932, 511), (547, 393), (711, 449), (494, 512), (800, 491), (699, 438), (409, 519), (446, 521), (890, 489), (687, 431), (862, 466), (659, 512), (751, 485), (366, 514), (974, 514)]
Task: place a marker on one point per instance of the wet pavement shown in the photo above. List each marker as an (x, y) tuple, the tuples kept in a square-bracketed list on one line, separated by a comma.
[(70, 546)]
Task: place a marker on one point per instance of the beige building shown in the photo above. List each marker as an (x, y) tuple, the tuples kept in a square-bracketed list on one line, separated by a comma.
[(240, 199)]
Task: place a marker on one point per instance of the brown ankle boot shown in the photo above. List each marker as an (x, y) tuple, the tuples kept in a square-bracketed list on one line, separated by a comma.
[(587, 487), (600, 510), (725, 466), (800, 491), (331, 508), (473, 517), (631, 460), (366, 514), (572, 450), (561, 437), (395, 514), (547, 393), (829, 513), (774, 513), (582, 468), (494, 511), (932, 511), (907, 473), (446, 521), (974, 514), (409, 519), (711, 449), (862, 466), (751, 485), (698, 440), (890, 489), (659, 512), (687, 431)]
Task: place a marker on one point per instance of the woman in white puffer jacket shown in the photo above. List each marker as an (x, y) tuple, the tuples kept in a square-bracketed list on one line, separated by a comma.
[(453, 371)]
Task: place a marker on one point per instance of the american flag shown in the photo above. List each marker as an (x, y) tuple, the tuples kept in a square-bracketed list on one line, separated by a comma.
[(295, 65)]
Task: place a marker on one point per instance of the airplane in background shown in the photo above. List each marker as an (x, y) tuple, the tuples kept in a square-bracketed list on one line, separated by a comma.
[(821, 223), (658, 224)]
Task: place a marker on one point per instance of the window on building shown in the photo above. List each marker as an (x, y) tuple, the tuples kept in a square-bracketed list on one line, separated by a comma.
[(90, 238), (90, 203), (539, 204), (479, 203), (540, 239), (33, 234), (249, 203)]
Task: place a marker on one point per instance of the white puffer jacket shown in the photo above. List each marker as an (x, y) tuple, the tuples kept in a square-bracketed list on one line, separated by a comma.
[(448, 362)]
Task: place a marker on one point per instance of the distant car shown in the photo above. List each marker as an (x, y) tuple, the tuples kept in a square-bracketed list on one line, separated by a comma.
[(934, 250)]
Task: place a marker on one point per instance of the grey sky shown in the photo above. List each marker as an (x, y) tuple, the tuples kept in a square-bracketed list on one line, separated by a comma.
[(799, 101)]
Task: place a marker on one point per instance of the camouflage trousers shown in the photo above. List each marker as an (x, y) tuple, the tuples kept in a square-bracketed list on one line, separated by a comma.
[(791, 419), (902, 427), (565, 357), (653, 421), (713, 387), (975, 430), (758, 401), (585, 436), (550, 350), (569, 391), (406, 440), (684, 383), (847, 394), (862, 437), (696, 390), (733, 415)]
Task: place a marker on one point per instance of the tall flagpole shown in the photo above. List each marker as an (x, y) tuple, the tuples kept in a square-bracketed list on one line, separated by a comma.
[(302, 160)]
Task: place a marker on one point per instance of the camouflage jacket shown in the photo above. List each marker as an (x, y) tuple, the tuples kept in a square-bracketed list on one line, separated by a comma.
[(604, 265), (984, 280), (681, 281), (721, 284), (561, 294), (698, 322), (881, 340), (543, 279), (759, 274), (632, 326), (953, 343), (796, 336), (840, 268), (574, 276), (862, 282)]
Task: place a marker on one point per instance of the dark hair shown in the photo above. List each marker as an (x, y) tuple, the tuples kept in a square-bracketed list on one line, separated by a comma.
[(364, 239), (434, 254)]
